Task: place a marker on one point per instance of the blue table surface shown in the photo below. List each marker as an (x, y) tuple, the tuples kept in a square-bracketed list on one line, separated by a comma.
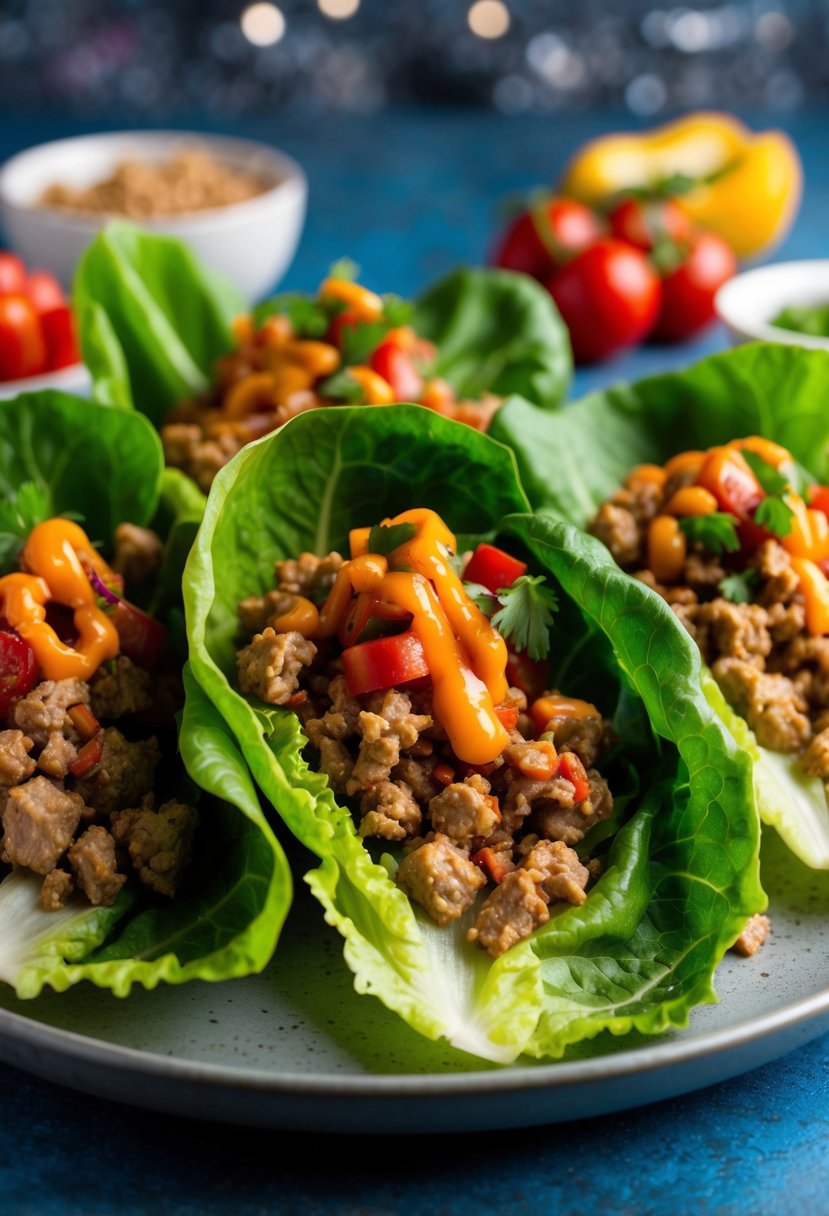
[(408, 195)]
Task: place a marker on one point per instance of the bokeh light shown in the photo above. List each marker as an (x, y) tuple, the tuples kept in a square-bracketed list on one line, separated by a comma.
[(489, 18), (338, 10), (262, 24)]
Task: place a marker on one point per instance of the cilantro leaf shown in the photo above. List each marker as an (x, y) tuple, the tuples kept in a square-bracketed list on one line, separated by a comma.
[(309, 318), (770, 478), (342, 387), (361, 340), (385, 538), (775, 514), (344, 268), (716, 532), (18, 515), (740, 588), (397, 311), (482, 597), (526, 614)]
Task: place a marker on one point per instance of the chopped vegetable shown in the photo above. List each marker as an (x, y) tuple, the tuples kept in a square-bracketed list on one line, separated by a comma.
[(526, 614), (493, 568), (18, 668), (384, 663), (716, 532)]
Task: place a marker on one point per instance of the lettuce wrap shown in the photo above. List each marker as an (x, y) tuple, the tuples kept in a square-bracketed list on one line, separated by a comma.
[(153, 323), (102, 467), (680, 855), (574, 461)]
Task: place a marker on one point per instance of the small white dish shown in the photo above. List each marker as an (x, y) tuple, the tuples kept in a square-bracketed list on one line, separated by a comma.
[(748, 303), (250, 243), (73, 379)]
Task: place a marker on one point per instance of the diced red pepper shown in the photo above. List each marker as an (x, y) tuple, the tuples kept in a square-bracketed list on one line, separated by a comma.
[(343, 320), (299, 698), (88, 757), (487, 859), (83, 720), (18, 669), (384, 663), (572, 769), (444, 774), (495, 804), (394, 363), (370, 618), (507, 715), (493, 568), (58, 326), (140, 635)]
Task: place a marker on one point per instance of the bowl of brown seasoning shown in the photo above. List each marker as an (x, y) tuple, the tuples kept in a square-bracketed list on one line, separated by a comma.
[(239, 204)]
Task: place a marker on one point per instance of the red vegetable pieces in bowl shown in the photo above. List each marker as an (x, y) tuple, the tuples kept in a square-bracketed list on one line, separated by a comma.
[(37, 330)]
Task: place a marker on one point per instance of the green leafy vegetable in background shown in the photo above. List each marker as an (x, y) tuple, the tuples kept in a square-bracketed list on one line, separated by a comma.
[(812, 319), (767, 389), (58, 456), (680, 875)]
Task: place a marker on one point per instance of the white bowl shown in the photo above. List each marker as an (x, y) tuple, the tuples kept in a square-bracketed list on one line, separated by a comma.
[(250, 243), (73, 379), (749, 302)]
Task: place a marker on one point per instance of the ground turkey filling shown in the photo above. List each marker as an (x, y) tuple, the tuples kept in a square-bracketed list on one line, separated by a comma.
[(87, 833), (771, 671), (463, 830)]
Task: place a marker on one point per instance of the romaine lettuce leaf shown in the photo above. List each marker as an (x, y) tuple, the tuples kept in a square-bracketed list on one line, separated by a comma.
[(150, 317), (681, 875), (224, 922), (496, 332), (61, 454), (572, 461)]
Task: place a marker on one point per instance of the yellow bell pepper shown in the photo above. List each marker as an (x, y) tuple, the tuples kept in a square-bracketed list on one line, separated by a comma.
[(748, 184)]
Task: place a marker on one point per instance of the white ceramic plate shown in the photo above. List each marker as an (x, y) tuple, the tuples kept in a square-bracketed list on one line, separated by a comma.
[(296, 1049)]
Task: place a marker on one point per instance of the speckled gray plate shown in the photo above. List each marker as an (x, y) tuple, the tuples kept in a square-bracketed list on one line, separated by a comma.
[(296, 1048)]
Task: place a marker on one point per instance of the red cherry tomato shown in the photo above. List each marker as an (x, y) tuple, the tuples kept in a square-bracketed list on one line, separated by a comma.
[(688, 291), (608, 298), (544, 236), (22, 347), (44, 291), (384, 663), (58, 326), (644, 223), (18, 669), (819, 498), (394, 363), (12, 274), (493, 568)]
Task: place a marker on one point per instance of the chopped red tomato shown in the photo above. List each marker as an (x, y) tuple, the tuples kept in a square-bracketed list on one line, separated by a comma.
[(384, 663), (44, 291), (140, 635), (58, 327), (493, 568), (18, 669), (12, 273), (393, 361), (342, 321), (572, 769), (22, 347), (725, 473)]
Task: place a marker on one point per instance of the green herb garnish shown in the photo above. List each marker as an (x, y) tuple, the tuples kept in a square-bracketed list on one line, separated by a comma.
[(18, 515), (308, 317), (812, 319), (740, 588), (342, 387), (773, 512), (385, 538), (526, 614), (344, 268), (716, 532)]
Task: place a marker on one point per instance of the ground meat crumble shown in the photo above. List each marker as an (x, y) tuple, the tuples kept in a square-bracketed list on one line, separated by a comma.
[(492, 839), (87, 831)]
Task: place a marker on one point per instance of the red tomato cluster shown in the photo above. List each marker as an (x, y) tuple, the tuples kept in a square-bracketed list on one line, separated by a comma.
[(37, 331), (642, 270)]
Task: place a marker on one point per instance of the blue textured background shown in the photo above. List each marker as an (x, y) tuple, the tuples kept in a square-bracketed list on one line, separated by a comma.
[(408, 195)]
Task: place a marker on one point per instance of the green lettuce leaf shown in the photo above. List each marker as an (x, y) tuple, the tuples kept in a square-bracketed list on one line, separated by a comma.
[(680, 876), (225, 921), (61, 454), (573, 461), (150, 316), (496, 332)]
